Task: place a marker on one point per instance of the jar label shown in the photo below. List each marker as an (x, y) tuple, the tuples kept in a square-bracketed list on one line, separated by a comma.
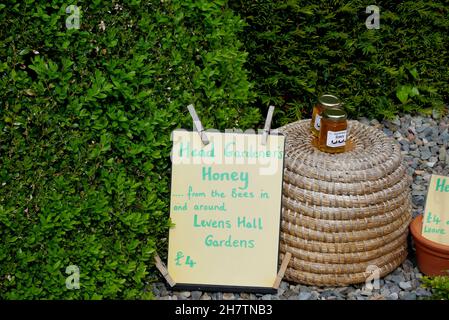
[(336, 138), (317, 122)]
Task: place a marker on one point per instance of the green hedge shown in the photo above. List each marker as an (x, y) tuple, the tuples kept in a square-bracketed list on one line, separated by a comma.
[(85, 122), (299, 49)]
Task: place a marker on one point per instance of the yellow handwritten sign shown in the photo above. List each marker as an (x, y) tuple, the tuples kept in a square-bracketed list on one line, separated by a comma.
[(436, 214), (225, 205)]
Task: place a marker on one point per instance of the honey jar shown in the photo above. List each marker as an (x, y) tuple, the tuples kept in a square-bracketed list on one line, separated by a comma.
[(324, 102), (333, 131)]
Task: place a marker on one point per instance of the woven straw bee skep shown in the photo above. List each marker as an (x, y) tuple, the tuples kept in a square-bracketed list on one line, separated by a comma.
[(343, 213)]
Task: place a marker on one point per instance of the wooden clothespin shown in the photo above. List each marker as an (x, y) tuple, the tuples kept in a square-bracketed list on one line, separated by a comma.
[(198, 125), (282, 269), (266, 129), (163, 269)]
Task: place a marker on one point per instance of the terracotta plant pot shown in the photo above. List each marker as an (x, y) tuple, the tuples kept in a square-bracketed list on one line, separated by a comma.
[(433, 258)]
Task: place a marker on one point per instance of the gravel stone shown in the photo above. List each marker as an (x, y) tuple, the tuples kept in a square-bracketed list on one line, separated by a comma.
[(396, 121), (416, 153), (163, 291), (284, 285), (366, 292), (393, 296), (405, 145), (394, 288), (206, 296), (385, 292), (388, 132), (304, 296), (427, 132), (442, 154), (425, 153), (228, 296), (431, 164), (217, 296), (444, 136), (397, 279), (245, 296), (421, 292), (290, 293), (407, 266), (315, 295), (295, 289), (405, 285), (196, 295), (156, 290), (404, 295), (343, 290), (418, 201)]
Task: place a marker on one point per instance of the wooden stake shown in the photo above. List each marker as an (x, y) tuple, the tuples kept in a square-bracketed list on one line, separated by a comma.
[(197, 124), (282, 269), (266, 130), (163, 269)]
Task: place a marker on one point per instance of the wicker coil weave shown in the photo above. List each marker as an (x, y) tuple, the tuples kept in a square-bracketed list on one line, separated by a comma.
[(343, 214)]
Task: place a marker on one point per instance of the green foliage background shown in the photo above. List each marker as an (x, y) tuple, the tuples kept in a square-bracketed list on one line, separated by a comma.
[(85, 122), (299, 49)]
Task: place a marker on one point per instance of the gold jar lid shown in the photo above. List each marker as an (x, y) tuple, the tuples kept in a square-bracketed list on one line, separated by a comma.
[(334, 114), (329, 100)]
